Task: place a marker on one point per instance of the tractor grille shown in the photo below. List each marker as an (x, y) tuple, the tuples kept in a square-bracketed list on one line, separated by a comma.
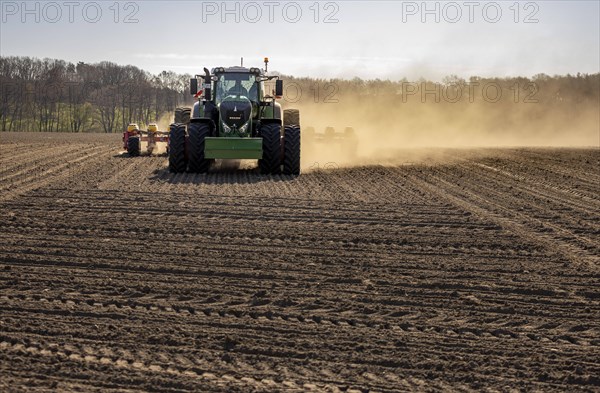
[(235, 113)]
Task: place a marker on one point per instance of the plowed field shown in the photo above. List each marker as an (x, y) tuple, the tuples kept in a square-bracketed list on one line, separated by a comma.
[(467, 270)]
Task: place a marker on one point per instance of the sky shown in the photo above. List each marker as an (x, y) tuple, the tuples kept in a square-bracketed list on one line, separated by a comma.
[(366, 39)]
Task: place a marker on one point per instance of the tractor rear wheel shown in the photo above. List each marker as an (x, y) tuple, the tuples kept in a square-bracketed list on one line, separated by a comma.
[(197, 133), (133, 146), (182, 115), (291, 150), (177, 148), (291, 117), (270, 163)]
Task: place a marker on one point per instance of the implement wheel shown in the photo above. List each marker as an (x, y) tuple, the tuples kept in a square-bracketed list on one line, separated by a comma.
[(133, 146)]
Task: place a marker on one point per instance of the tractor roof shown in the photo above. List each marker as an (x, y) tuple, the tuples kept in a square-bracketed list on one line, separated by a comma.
[(236, 69)]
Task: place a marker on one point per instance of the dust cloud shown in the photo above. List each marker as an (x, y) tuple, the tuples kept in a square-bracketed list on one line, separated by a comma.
[(390, 132), (165, 121), (391, 129)]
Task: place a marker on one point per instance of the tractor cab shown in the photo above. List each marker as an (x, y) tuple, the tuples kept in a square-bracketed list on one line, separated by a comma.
[(237, 95), (238, 82)]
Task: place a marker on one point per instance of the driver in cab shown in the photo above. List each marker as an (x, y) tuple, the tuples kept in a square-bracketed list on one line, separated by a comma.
[(238, 89)]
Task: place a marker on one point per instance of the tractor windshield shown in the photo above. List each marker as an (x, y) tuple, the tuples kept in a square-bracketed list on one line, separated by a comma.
[(237, 84)]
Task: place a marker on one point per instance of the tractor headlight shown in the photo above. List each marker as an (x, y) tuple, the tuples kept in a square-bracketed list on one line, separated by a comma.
[(244, 128), (226, 128)]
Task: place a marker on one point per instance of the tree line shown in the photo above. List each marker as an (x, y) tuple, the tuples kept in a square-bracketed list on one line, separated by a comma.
[(54, 95), (541, 88)]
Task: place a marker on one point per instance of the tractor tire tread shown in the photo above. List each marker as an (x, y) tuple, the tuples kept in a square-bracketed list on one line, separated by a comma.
[(182, 115), (197, 133), (177, 162), (133, 146), (291, 150), (291, 117), (271, 143)]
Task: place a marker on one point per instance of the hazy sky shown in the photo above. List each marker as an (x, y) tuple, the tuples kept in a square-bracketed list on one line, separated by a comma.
[(370, 39)]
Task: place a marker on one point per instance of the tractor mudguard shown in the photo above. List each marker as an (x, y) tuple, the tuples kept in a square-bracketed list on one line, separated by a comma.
[(270, 121), (203, 120), (210, 122), (197, 110)]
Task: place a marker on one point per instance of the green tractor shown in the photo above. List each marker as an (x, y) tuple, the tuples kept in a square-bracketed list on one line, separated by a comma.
[(235, 118)]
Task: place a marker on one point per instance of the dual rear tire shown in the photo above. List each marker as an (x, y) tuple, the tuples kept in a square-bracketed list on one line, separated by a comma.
[(270, 163), (291, 142), (274, 146), (177, 158), (194, 161), (182, 115), (197, 133), (291, 151)]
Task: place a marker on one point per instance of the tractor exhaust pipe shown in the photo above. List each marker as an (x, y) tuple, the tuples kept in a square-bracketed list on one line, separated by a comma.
[(207, 80)]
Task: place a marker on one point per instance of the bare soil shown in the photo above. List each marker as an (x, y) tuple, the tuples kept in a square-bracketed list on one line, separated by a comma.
[(471, 270)]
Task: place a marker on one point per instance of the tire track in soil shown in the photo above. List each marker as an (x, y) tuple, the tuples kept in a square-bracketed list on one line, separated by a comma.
[(112, 307), (543, 189), (49, 160), (10, 158), (560, 219), (574, 171), (146, 368), (576, 248), (53, 171)]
